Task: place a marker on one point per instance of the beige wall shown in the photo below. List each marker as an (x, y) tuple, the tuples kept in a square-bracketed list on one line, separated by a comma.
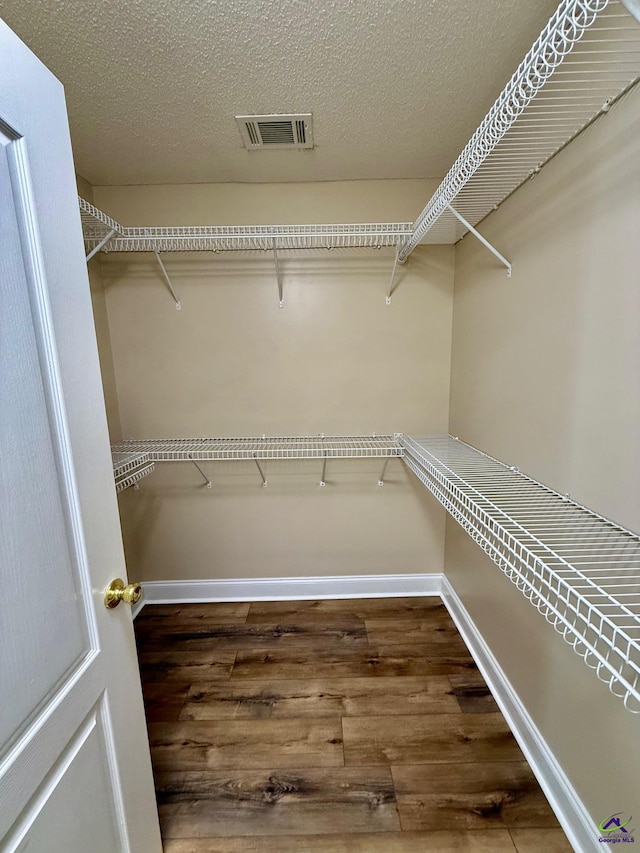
[(103, 336), (264, 204), (545, 364), (545, 377), (336, 359)]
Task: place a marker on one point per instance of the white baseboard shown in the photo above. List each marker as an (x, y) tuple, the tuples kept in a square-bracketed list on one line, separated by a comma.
[(567, 805), (295, 589)]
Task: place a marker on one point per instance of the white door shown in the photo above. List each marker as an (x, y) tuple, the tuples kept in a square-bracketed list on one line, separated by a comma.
[(75, 774)]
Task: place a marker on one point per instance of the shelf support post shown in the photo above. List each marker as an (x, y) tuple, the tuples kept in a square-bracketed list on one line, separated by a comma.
[(482, 239), (324, 471), (206, 479), (101, 244), (278, 273), (393, 275), (168, 280), (264, 481), (384, 468)]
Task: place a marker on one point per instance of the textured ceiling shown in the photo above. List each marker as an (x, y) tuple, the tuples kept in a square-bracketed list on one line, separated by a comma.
[(395, 86)]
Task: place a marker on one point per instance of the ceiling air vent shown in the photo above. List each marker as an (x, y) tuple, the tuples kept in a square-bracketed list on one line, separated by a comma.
[(276, 131)]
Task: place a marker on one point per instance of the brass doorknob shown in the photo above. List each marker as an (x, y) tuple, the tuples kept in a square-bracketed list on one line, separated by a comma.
[(117, 592)]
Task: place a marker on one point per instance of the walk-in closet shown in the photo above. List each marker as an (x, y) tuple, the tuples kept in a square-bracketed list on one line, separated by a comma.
[(366, 302)]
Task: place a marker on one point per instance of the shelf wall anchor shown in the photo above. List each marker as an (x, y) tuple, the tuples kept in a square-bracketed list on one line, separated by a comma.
[(204, 476), (482, 239), (278, 274), (168, 280), (102, 243), (393, 275), (264, 480), (384, 469)]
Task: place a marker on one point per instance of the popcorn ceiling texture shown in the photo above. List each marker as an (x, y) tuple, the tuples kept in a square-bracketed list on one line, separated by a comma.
[(396, 86)]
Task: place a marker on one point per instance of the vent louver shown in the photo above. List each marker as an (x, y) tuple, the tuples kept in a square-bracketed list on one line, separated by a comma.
[(276, 131)]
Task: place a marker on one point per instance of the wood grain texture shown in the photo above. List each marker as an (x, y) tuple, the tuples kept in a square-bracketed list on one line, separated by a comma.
[(165, 664), (201, 636), (472, 693), (353, 608), (163, 701), (221, 612), (433, 738), (541, 841), (396, 661), (470, 796), (318, 697), (277, 802), (490, 841), (207, 745), (248, 706), (438, 628)]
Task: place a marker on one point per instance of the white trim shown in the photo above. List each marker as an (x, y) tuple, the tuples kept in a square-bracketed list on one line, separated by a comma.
[(295, 589), (563, 798)]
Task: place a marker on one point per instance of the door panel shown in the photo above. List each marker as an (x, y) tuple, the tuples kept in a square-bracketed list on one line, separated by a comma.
[(75, 771), (36, 550), (56, 810)]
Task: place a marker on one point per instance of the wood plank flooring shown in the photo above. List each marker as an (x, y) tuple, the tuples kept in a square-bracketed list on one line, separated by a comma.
[(350, 726)]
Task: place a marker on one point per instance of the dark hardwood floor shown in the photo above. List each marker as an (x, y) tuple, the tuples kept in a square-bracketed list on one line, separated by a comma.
[(357, 726)]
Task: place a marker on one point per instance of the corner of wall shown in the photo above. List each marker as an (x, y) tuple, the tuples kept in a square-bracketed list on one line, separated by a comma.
[(103, 334)]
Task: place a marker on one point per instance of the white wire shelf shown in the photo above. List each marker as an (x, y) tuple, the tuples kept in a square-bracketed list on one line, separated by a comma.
[(134, 478), (125, 461), (98, 229), (579, 569), (299, 447), (129, 467), (95, 223), (239, 238), (586, 57)]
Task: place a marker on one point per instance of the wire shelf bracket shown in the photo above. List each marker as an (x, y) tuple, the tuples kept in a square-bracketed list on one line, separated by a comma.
[(101, 244), (383, 472), (261, 472), (580, 570), (482, 239), (168, 281), (204, 476), (278, 275), (392, 287), (323, 478)]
